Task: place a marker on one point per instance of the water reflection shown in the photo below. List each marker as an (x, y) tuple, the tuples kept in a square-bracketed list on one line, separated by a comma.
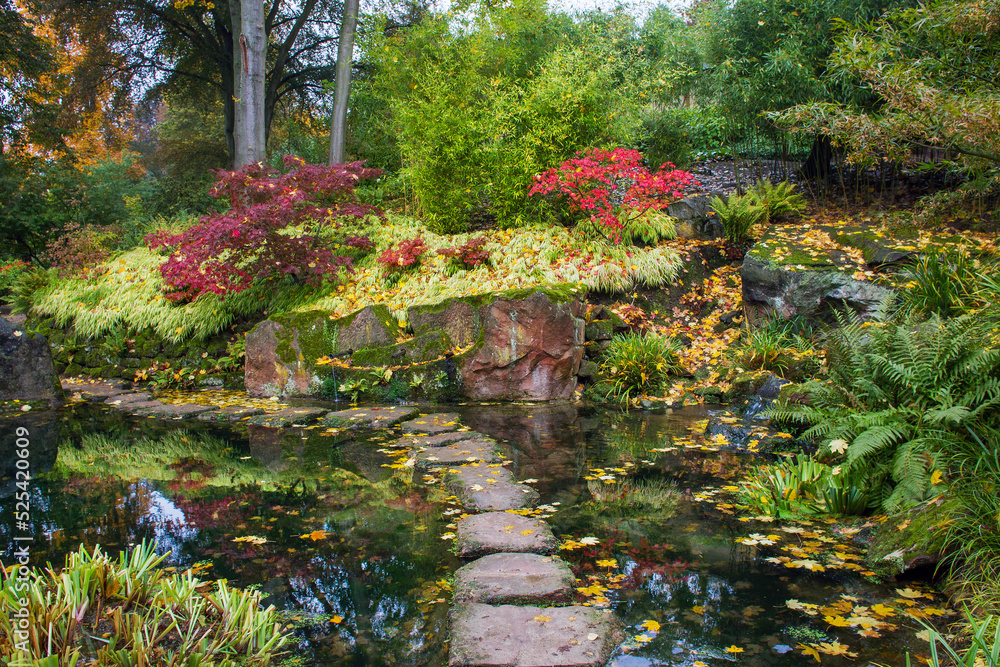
[(351, 548)]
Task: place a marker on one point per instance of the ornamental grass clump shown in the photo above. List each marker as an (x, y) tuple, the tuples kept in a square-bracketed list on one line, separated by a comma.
[(637, 365), (128, 611)]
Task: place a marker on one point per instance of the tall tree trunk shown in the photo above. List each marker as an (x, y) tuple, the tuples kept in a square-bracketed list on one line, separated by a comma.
[(342, 87), (252, 47), (231, 111)]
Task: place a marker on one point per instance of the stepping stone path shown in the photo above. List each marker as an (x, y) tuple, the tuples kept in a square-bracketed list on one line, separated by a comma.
[(515, 553), (495, 621), (377, 417)]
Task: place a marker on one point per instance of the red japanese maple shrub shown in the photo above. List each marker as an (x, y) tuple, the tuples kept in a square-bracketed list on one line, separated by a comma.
[(469, 255), (612, 187), (275, 227), (404, 256)]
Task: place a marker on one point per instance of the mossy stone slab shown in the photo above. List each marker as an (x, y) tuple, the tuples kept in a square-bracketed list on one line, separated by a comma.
[(374, 417), (288, 417), (514, 578), (503, 532), (231, 414), (485, 635), (432, 424), (483, 487), (458, 453)]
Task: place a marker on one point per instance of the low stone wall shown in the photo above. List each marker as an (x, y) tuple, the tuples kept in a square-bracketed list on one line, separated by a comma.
[(121, 354)]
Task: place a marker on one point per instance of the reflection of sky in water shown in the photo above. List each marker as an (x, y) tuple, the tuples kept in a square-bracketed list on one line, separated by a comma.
[(170, 526)]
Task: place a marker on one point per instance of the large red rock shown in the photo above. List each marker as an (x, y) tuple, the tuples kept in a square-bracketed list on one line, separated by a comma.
[(532, 348)]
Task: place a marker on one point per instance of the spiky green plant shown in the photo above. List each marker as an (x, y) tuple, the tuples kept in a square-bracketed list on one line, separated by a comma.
[(148, 616), (804, 485), (636, 365), (942, 283), (738, 214), (983, 644), (777, 200), (897, 396)]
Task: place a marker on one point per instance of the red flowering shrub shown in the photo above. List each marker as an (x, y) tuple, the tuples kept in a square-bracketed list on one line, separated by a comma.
[(226, 252), (612, 187), (469, 255), (404, 256)]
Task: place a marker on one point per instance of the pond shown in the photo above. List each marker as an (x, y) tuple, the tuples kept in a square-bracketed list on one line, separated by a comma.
[(346, 539)]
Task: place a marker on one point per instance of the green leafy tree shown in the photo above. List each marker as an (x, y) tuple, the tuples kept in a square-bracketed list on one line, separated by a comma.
[(482, 103), (935, 72), (770, 55)]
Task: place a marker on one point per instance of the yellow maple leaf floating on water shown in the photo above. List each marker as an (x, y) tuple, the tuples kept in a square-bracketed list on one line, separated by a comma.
[(315, 535)]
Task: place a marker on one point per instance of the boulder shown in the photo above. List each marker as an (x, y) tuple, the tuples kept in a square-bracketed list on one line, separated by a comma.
[(784, 276), (531, 350), (281, 352), (26, 371)]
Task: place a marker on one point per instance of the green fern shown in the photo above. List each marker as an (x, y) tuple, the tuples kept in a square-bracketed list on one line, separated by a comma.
[(777, 200), (901, 394), (738, 214)]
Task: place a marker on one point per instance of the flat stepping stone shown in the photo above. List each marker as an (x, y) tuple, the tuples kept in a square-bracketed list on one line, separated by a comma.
[(514, 578), (94, 392), (499, 532), (231, 414), (485, 635), (288, 417), (122, 400), (180, 412), (439, 439), (483, 487), (432, 424), (140, 407), (376, 417), (466, 451)]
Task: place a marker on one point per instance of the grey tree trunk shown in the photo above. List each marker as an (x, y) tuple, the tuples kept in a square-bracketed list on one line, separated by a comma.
[(252, 49), (231, 111), (342, 86)]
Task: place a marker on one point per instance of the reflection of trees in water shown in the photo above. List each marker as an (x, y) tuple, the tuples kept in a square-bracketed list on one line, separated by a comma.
[(90, 511)]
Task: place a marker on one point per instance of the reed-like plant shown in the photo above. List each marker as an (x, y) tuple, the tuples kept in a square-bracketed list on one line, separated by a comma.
[(637, 365), (109, 612)]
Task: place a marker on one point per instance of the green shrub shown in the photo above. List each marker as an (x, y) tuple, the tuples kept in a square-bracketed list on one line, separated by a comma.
[(681, 135), (10, 275), (738, 215), (898, 395), (481, 104), (635, 365), (150, 618)]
